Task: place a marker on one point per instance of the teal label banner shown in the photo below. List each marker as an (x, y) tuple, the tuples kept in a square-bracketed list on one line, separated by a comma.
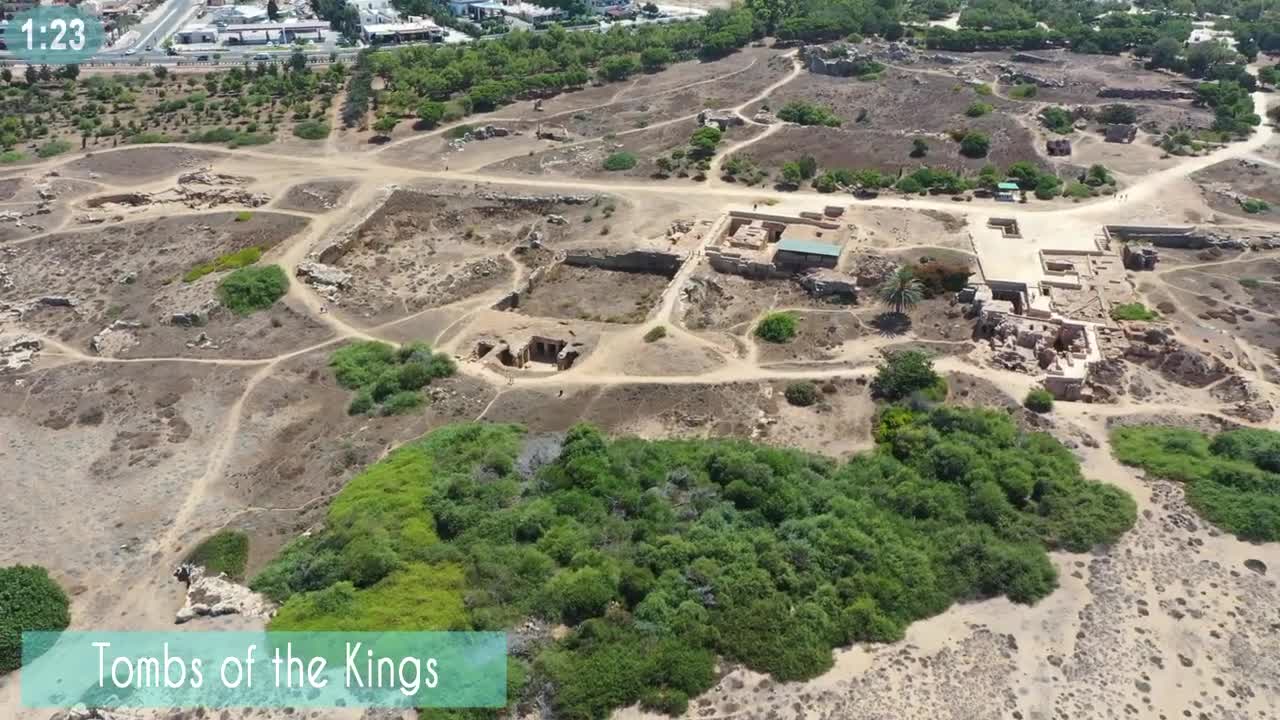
[(264, 669), (54, 35)]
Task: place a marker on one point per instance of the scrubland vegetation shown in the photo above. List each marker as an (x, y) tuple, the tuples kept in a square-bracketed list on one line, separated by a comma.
[(388, 381), (661, 556), (1233, 478)]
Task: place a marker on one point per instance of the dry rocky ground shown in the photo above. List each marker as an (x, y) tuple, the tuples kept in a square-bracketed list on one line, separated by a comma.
[(122, 453)]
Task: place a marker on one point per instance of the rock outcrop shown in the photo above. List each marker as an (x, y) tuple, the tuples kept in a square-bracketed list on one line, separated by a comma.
[(214, 596)]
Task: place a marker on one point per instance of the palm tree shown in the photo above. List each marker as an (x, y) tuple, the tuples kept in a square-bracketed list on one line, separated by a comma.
[(901, 291)]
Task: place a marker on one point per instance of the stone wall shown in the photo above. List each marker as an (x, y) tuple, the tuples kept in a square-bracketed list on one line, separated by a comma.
[(653, 262), (1146, 93)]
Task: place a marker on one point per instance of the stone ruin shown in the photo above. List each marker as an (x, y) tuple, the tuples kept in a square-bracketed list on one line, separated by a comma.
[(17, 352), (326, 279), (1012, 75), (482, 132), (552, 132), (537, 349), (215, 596), (720, 119), (1139, 257), (841, 60), (1121, 133), (198, 189)]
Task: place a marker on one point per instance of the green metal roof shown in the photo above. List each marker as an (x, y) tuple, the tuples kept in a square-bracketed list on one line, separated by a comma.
[(1007, 186), (809, 247)]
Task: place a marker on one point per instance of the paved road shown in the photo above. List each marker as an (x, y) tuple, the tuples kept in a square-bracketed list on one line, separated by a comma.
[(166, 22)]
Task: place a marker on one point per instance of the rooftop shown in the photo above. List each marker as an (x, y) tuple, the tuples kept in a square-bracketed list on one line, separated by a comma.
[(1007, 186), (808, 247)]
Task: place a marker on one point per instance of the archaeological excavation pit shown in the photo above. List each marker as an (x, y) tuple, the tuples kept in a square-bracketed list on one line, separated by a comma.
[(623, 288), (536, 353)]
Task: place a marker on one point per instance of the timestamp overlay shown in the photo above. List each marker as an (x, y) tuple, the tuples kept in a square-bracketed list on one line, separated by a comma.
[(54, 35)]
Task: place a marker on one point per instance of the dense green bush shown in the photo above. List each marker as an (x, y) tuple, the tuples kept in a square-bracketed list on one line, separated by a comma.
[(656, 334), (975, 145), (1039, 400), (1233, 479), (1133, 312), (978, 109), (801, 393), (311, 130), (1058, 119), (662, 556), (620, 161), (385, 379), (804, 113), (253, 288), (905, 374), (230, 261), (777, 327), (29, 601), (226, 551)]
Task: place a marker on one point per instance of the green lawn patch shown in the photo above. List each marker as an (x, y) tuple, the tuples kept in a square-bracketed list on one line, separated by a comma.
[(227, 551), (663, 557), (1133, 312), (230, 261), (388, 381), (253, 288), (1233, 478)]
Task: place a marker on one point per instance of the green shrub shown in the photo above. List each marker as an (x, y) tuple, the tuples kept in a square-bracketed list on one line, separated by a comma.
[(978, 109), (230, 261), (388, 380), (802, 393), (243, 216), (1254, 205), (1023, 92), (1250, 283), (657, 333), (983, 90), (1077, 190), (52, 148), (226, 551), (1133, 312), (804, 113), (311, 130), (975, 145), (905, 374), (11, 156), (29, 601), (620, 161), (253, 288), (1233, 479), (777, 327), (1039, 400), (1058, 119)]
